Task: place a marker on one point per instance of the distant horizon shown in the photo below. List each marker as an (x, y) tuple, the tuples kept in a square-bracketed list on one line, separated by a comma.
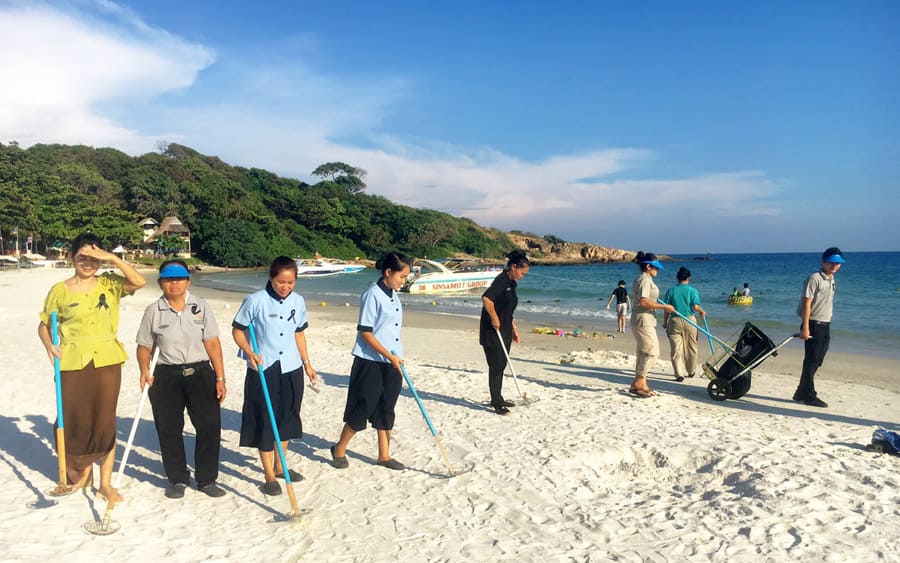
[(846, 251)]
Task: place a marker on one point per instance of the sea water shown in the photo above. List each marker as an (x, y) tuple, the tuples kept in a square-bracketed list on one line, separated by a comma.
[(865, 310)]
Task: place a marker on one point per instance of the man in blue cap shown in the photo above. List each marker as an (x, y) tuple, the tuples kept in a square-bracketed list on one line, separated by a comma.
[(815, 308)]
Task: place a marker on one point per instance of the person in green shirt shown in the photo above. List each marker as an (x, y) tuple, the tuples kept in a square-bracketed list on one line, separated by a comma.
[(90, 357), (682, 334)]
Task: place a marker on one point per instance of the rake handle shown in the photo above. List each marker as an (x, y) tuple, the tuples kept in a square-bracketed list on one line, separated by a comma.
[(277, 436), (415, 395), (701, 329), (60, 426), (509, 363)]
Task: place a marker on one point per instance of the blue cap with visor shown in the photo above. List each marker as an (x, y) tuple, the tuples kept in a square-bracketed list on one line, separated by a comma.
[(174, 271), (655, 263), (833, 255)]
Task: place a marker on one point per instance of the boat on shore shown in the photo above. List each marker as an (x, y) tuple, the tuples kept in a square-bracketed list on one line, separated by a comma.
[(450, 276), (740, 300), (318, 267)]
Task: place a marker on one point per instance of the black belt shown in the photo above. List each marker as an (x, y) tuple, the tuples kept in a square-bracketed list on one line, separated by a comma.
[(184, 369), (819, 322)]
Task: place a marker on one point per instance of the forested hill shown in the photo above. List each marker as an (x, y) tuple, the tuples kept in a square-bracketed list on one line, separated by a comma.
[(237, 216)]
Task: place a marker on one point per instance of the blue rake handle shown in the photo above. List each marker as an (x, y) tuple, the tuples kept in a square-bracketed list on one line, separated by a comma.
[(54, 334), (434, 433), (701, 329), (62, 486), (265, 388), (712, 349)]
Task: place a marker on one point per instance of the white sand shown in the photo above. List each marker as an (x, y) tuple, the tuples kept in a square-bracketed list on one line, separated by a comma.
[(586, 474)]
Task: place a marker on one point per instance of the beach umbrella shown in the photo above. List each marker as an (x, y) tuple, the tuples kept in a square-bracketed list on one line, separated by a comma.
[(524, 396), (453, 472), (294, 514)]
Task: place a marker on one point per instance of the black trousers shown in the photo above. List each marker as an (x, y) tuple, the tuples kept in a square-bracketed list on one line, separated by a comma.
[(496, 360), (815, 349), (175, 389)]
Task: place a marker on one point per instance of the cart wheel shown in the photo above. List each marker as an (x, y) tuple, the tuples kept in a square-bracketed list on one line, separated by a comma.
[(718, 389)]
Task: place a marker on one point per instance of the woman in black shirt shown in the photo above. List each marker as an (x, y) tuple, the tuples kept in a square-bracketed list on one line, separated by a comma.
[(499, 304)]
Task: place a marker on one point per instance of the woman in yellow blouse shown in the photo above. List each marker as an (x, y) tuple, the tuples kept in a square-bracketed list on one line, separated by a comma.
[(90, 357)]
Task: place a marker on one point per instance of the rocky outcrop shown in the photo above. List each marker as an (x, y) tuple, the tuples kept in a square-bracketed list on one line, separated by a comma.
[(542, 251)]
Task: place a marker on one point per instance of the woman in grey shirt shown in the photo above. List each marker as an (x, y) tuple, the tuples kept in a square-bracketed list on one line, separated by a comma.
[(189, 374), (643, 321)]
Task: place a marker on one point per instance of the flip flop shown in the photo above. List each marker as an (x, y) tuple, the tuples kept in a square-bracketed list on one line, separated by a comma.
[(640, 393)]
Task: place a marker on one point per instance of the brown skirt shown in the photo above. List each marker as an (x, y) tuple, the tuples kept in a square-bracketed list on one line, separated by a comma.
[(90, 396)]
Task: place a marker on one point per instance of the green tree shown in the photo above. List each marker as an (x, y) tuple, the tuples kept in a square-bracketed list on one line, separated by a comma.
[(343, 174), (172, 244)]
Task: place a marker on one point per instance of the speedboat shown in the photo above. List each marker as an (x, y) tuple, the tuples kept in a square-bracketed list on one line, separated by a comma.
[(451, 276), (316, 267)]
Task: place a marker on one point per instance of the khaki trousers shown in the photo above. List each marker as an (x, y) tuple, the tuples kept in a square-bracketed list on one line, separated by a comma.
[(647, 346), (683, 345)]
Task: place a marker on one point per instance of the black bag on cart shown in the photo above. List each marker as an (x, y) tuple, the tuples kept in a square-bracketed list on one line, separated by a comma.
[(751, 345)]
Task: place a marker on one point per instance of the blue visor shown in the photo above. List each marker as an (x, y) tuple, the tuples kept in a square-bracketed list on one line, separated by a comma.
[(655, 264), (173, 271), (836, 259)]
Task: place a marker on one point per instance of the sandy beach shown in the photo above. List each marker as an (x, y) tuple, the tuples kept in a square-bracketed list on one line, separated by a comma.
[(587, 473)]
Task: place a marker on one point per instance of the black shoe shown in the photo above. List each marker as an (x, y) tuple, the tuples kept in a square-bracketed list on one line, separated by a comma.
[(176, 490), (679, 378), (339, 462), (294, 476), (391, 464), (272, 489), (501, 410), (212, 490), (506, 403), (815, 402)]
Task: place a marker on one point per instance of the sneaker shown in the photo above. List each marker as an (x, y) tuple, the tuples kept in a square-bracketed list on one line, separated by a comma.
[(501, 410), (392, 464), (679, 378), (294, 476), (176, 490), (339, 462), (272, 489), (212, 490), (815, 402)]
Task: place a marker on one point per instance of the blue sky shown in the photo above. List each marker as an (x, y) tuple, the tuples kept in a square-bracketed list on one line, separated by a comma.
[(670, 127)]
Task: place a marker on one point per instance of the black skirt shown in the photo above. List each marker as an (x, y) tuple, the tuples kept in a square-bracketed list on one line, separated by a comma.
[(372, 395), (286, 394)]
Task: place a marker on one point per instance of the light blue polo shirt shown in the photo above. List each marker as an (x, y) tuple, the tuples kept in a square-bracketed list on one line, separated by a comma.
[(275, 320), (381, 313)]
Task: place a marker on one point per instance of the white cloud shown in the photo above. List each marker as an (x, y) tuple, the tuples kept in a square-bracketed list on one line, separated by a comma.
[(62, 67), (95, 77)]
